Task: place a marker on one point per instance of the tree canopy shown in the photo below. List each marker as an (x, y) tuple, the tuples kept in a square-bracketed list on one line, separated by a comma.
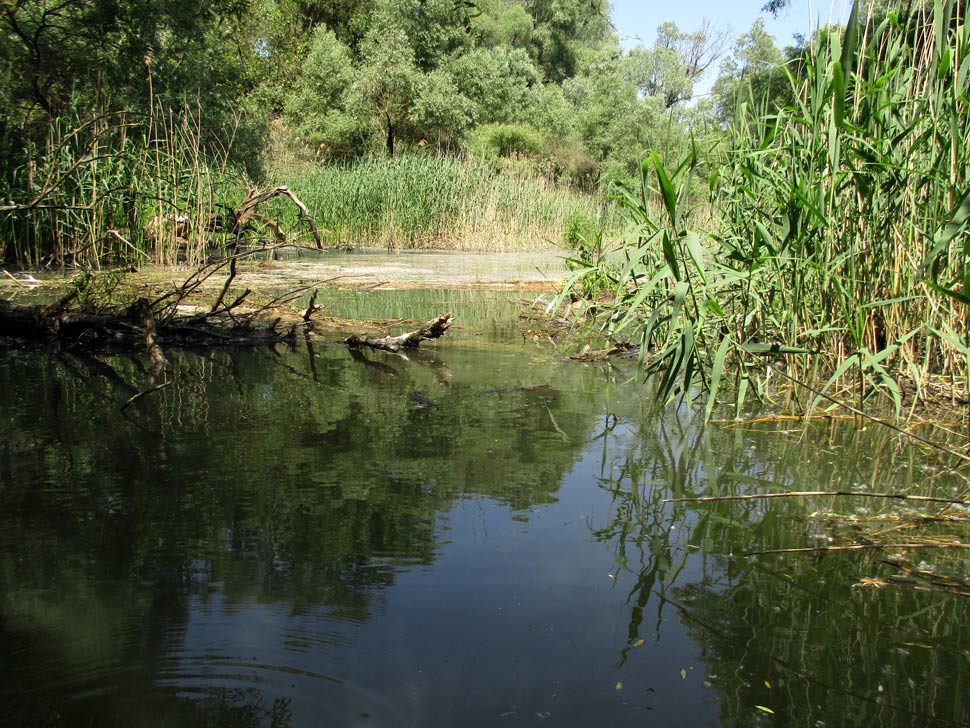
[(350, 79)]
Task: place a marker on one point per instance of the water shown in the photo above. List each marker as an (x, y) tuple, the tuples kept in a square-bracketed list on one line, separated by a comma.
[(474, 536)]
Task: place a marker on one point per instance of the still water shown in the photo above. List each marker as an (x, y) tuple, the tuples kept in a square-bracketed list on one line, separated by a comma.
[(474, 536)]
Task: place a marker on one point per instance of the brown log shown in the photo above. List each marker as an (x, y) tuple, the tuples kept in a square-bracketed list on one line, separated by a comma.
[(432, 329)]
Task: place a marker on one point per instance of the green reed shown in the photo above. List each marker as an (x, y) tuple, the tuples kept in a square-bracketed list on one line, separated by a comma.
[(839, 246), (436, 201), (117, 187)]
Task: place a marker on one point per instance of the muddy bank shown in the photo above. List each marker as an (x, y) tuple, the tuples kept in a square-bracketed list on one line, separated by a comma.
[(367, 269), (413, 269)]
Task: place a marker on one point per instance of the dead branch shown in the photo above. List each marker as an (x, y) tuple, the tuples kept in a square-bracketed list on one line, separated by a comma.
[(312, 306), (156, 356), (225, 287), (256, 197), (589, 354), (860, 547), (433, 329), (135, 397), (817, 493)]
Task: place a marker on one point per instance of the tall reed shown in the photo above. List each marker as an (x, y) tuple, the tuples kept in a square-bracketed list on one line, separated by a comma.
[(839, 245), (112, 188), (437, 201)]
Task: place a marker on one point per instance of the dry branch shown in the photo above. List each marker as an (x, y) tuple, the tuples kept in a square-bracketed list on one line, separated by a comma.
[(433, 329), (256, 197), (143, 309), (861, 547), (621, 349), (816, 493)]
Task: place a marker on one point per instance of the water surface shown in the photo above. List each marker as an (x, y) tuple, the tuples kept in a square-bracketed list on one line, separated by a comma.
[(473, 536)]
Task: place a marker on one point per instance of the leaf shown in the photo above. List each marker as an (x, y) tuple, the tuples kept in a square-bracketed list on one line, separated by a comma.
[(696, 253), (774, 349), (838, 93), (717, 369), (943, 236), (683, 673), (670, 255), (619, 686), (667, 191), (956, 295), (850, 41), (763, 709), (639, 642)]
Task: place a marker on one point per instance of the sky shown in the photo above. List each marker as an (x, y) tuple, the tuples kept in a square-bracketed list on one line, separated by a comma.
[(637, 20)]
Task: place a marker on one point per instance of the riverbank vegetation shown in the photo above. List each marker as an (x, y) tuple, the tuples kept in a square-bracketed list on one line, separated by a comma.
[(836, 259), (481, 125), (805, 221)]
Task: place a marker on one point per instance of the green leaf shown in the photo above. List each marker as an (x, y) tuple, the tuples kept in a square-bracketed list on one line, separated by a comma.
[(667, 192), (696, 252), (838, 93), (955, 295), (670, 255), (717, 369), (943, 237)]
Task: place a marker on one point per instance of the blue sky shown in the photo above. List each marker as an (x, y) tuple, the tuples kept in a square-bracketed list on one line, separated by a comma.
[(639, 18)]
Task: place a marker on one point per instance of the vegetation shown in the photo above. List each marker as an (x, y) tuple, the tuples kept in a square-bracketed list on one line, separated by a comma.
[(116, 115), (832, 236), (837, 251), (431, 200)]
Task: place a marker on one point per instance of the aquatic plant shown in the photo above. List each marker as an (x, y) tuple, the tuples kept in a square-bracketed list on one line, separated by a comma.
[(837, 256), (430, 200)]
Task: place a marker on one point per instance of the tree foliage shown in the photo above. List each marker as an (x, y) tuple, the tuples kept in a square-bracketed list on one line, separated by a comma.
[(347, 80)]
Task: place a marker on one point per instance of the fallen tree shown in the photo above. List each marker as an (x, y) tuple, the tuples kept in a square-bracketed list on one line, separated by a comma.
[(432, 329), (91, 324)]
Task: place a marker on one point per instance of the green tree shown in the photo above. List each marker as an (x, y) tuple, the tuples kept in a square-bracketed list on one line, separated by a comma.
[(388, 82), (80, 58), (498, 81), (752, 73), (561, 29), (502, 24), (317, 107), (676, 62)]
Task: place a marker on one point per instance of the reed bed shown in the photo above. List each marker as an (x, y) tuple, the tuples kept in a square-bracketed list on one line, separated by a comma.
[(119, 187), (837, 255), (853, 202), (441, 202)]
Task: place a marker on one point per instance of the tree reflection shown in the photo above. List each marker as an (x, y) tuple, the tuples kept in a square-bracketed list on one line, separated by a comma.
[(801, 640), (251, 482)]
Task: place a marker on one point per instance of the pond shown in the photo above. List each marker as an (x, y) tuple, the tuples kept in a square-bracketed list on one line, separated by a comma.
[(473, 536)]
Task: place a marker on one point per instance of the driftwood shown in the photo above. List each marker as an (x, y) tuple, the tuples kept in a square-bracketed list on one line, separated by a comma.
[(620, 349), (128, 330), (433, 329)]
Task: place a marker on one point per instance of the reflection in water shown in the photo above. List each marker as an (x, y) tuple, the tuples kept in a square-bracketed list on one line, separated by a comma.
[(804, 636), (473, 536)]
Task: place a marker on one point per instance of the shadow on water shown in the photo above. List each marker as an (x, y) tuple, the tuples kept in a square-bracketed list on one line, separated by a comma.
[(476, 535)]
